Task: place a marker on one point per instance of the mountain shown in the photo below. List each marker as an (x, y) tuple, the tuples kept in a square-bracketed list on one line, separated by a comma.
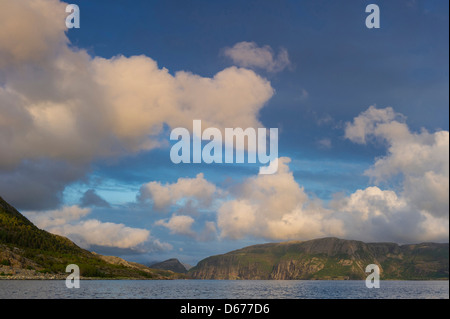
[(327, 258), (187, 266), (29, 252), (172, 264)]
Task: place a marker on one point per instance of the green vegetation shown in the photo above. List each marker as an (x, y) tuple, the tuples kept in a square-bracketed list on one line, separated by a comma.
[(327, 258), (37, 249), (5, 262), (3, 274)]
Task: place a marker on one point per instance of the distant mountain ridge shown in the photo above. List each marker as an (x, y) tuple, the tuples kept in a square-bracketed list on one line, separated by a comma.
[(327, 258), (172, 264)]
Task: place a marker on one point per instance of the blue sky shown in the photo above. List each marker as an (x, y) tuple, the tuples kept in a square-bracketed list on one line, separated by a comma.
[(335, 71)]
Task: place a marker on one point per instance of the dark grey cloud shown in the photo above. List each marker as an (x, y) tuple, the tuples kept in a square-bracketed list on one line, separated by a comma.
[(91, 199), (39, 184)]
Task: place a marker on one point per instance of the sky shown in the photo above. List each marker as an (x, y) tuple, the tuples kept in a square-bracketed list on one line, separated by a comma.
[(362, 117)]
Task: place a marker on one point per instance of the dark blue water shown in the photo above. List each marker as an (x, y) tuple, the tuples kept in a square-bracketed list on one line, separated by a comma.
[(223, 289)]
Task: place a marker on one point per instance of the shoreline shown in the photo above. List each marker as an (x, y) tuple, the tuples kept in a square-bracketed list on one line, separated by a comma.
[(64, 276)]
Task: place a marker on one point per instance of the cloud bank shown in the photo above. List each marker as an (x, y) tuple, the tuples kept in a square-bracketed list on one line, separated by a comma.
[(59, 104), (276, 207), (421, 159)]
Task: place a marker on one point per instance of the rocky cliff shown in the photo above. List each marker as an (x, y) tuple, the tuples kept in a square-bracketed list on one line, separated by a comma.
[(327, 258)]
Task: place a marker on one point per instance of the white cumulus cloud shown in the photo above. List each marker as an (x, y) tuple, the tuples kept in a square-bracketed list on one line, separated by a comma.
[(250, 55), (68, 221), (421, 160), (197, 190), (275, 207), (178, 224), (59, 104), (416, 209)]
